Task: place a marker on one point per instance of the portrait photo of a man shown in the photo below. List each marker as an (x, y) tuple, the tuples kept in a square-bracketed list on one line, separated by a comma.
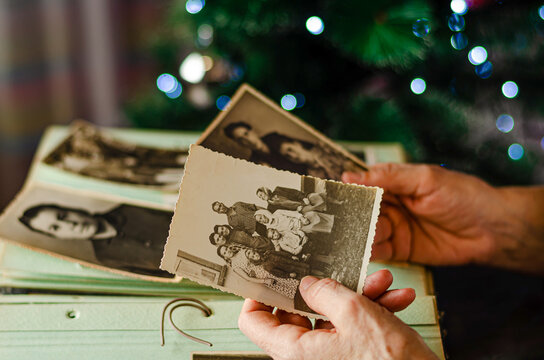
[(115, 235)]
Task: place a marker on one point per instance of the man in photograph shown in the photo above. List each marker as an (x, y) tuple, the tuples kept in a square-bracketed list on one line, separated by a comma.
[(129, 238), (225, 234), (241, 216)]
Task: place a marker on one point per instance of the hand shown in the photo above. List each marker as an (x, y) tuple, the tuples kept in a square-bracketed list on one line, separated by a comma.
[(364, 327), (434, 216), (305, 220)]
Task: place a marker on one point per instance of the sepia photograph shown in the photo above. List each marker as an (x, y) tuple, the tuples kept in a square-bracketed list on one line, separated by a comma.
[(88, 151), (256, 231), (256, 129), (95, 231)]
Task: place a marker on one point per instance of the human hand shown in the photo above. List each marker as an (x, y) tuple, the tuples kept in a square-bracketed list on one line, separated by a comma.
[(434, 216), (364, 326), (305, 220)]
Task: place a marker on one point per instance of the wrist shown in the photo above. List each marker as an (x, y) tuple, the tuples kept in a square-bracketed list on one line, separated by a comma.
[(517, 234)]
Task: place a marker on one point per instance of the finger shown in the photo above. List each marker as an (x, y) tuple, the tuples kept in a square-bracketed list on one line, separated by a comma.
[(400, 179), (401, 238), (376, 284), (397, 300), (264, 328), (294, 319), (382, 251), (330, 298), (323, 325), (384, 229)]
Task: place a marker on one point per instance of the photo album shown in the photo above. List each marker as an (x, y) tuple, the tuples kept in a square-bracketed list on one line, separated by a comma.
[(260, 205)]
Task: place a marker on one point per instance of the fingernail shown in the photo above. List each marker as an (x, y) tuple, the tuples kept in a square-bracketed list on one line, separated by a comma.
[(306, 282)]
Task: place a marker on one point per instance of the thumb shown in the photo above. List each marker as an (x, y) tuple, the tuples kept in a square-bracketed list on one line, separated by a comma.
[(342, 306), (399, 179)]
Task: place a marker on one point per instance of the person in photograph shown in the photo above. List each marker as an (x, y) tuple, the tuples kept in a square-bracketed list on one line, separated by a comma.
[(239, 260), (280, 264), (240, 216), (292, 199), (318, 160), (129, 238), (288, 241), (225, 234), (260, 146), (312, 222)]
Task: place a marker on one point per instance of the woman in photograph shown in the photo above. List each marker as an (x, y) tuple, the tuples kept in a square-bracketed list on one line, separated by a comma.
[(279, 264), (311, 222), (240, 261), (319, 160), (292, 199)]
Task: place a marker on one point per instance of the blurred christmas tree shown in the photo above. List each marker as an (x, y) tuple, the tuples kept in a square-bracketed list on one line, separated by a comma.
[(457, 84)]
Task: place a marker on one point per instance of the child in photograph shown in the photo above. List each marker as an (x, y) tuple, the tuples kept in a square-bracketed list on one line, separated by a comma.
[(287, 241), (239, 259), (287, 220)]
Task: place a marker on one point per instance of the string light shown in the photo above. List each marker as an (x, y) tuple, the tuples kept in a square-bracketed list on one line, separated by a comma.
[(288, 102), (459, 41), (315, 25), (194, 6), (515, 151), (222, 102), (505, 123), (421, 27), (418, 86), (166, 83), (477, 55), (193, 68), (510, 89), (459, 7)]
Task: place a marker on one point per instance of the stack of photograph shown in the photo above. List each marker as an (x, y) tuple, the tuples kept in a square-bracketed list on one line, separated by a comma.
[(82, 243)]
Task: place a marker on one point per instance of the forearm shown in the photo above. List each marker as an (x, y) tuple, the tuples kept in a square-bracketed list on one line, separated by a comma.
[(518, 238)]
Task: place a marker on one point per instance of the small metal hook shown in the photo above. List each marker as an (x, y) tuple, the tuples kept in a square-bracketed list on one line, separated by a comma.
[(198, 304)]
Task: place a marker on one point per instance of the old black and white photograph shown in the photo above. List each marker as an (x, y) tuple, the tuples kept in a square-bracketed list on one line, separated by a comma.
[(89, 151), (256, 232), (95, 231), (254, 128)]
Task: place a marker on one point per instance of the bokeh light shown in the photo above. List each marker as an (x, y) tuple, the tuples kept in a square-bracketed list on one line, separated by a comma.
[(315, 25), (194, 6), (510, 89), (541, 12), (477, 55), (505, 123), (456, 22), (421, 27), (301, 99), (542, 143), (208, 62), (205, 35), (484, 70), (515, 151), (418, 86), (222, 102), (166, 83), (193, 68), (288, 102), (176, 92), (459, 7), (459, 41)]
